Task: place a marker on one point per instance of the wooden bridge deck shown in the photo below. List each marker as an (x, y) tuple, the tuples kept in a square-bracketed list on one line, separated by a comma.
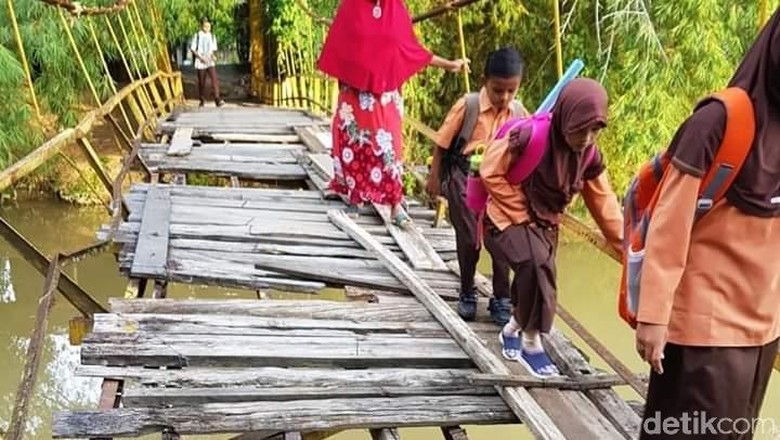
[(381, 358)]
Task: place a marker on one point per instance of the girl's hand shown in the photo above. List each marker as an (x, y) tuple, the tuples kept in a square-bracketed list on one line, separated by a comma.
[(459, 65), (650, 343)]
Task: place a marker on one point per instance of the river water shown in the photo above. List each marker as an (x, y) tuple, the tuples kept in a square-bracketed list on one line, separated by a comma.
[(587, 282)]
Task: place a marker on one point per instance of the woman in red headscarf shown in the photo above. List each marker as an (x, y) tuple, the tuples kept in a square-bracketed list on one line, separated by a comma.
[(372, 50)]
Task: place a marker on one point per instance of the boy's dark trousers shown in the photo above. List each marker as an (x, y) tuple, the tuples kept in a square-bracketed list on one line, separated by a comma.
[(464, 221), (212, 73)]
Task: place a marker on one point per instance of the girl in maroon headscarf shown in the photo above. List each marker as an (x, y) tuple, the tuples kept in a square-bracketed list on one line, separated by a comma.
[(372, 50), (709, 313), (521, 223)]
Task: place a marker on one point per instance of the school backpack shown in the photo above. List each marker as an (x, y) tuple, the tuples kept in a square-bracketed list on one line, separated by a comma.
[(643, 192), (476, 194), (454, 153)]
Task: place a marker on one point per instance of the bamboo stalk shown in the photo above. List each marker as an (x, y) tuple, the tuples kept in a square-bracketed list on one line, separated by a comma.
[(462, 41), (79, 58), (150, 42), (144, 98), (762, 13), (558, 44), (111, 84), (23, 57), (152, 88)]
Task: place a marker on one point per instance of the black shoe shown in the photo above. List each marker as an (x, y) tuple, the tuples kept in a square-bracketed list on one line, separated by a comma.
[(220, 103), (500, 310), (467, 306), (202, 103)]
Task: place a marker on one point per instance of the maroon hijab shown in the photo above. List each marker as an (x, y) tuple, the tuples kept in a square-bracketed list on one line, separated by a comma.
[(560, 175), (758, 183)]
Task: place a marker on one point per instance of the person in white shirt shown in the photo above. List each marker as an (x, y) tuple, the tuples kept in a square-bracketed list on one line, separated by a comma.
[(203, 48)]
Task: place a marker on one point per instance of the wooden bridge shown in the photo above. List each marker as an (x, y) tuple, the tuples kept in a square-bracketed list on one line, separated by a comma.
[(390, 353)]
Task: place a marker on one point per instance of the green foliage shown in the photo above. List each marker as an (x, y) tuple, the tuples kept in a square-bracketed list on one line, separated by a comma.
[(182, 19), (656, 59), (61, 87)]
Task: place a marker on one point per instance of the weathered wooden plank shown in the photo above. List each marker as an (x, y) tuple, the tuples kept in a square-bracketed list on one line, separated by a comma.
[(153, 397), (127, 233), (181, 142), (570, 361), (419, 252), (253, 137), (518, 399), (276, 377), (223, 273), (314, 309), (151, 251), (216, 215), (309, 136), (148, 349), (301, 415), (214, 324), (271, 248), (233, 193), (255, 171), (154, 158)]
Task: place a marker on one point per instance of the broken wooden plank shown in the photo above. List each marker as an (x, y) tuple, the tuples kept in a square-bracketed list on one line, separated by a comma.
[(417, 249), (314, 309), (262, 138), (154, 397), (151, 251), (285, 416), (307, 349), (215, 324), (181, 142), (518, 399), (244, 170)]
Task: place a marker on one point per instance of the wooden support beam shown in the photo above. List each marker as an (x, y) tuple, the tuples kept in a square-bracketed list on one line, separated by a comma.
[(72, 292), (18, 425), (519, 400)]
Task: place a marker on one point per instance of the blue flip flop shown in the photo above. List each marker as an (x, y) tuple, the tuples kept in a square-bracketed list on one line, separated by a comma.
[(510, 346), (538, 364)]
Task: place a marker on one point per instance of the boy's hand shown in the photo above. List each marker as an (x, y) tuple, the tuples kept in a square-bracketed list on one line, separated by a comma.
[(433, 185)]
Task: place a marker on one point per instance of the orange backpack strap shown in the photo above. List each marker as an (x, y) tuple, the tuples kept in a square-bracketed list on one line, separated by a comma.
[(733, 150)]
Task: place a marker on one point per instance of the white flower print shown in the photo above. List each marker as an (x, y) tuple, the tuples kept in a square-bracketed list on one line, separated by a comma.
[(367, 101), (399, 102), (337, 167), (347, 114), (350, 182), (376, 175), (384, 139), (386, 98), (347, 155)]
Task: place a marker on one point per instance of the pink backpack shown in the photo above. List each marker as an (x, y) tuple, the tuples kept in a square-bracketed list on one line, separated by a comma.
[(476, 194)]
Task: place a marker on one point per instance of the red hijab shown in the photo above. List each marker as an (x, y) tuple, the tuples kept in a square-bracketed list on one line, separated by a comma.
[(372, 54)]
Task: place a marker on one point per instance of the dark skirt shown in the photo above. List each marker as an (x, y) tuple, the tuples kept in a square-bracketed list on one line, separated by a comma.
[(530, 252), (710, 393)]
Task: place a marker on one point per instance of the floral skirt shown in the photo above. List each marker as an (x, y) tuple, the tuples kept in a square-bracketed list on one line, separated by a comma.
[(367, 147)]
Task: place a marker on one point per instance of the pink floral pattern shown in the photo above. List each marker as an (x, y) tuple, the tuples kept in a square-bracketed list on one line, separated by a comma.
[(367, 149)]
